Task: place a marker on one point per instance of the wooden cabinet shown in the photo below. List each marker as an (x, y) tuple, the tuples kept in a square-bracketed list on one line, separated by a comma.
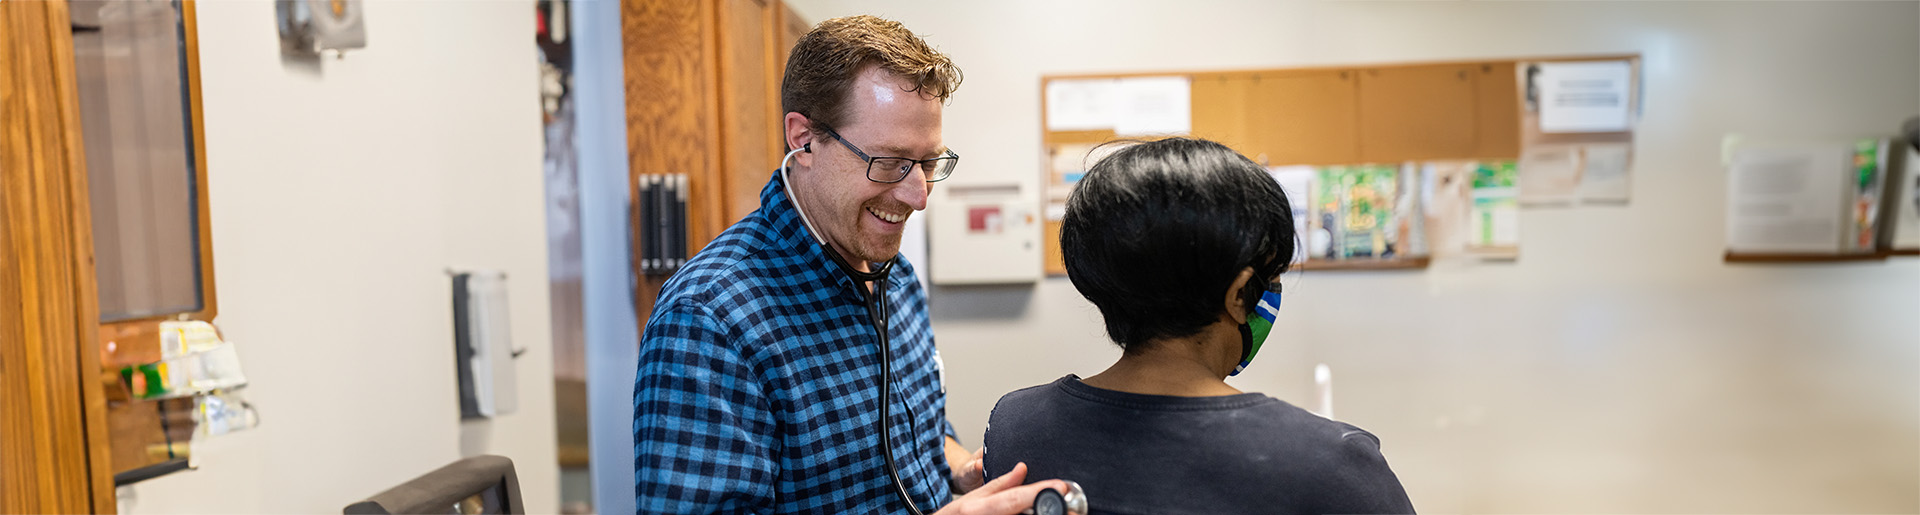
[(53, 435), (1417, 112), (703, 99), (749, 103), (672, 83), (703, 83), (792, 28)]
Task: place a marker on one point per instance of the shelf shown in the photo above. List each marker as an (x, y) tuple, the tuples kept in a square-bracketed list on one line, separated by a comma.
[(1411, 263), (1733, 257)]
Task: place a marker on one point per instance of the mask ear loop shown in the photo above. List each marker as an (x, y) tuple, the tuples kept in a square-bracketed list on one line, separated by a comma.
[(795, 199)]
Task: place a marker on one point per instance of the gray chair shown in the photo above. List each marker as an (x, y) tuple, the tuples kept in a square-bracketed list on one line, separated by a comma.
[(481, 484)]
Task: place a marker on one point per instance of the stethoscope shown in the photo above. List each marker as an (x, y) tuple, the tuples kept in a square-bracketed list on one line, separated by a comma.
[(1074, 502)]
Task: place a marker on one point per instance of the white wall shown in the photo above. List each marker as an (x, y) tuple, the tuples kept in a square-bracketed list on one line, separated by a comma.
[(341, 191), (1619, 366)]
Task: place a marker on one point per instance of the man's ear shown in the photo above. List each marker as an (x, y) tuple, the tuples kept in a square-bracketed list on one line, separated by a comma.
[(1236, 302), (799, 133)]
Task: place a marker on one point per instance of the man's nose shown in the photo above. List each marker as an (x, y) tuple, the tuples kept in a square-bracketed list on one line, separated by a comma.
[(913, 189)]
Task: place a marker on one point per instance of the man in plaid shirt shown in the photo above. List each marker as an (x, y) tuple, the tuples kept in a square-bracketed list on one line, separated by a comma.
[(759, 377)]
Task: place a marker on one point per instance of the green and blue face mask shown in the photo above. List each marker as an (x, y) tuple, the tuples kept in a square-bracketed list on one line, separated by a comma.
[(1258, 325)]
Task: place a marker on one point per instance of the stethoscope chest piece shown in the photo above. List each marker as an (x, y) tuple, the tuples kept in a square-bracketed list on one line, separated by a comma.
[(1052, 502)]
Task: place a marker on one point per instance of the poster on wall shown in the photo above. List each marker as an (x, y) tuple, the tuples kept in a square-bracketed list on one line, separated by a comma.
[(1566, 174), (1472, 209), (1603, 173), (1153, 106), (1080, 104), (1066, 164), (1296, 182), (1552, 174), (1577, 132), (1354, 213), (1788, 198), (1494, 221), (1594, 96)]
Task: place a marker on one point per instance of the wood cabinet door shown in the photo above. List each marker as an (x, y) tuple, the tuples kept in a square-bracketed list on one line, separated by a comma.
[(53, 437), (672, 113), (1417, 112), (749, 91)]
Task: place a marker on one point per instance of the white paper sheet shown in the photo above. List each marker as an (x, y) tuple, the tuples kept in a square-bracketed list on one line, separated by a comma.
[(1080, 104), (1447, 200), (1604, 177), (1585, 96), (1153, 106), (1296, 181), (1549, 174), (1787, 198)]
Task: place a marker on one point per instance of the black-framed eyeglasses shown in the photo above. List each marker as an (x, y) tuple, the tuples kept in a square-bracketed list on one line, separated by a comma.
[(889, 169)]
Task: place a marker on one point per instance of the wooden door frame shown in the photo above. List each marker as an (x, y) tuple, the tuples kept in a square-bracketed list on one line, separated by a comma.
[(53, 423)]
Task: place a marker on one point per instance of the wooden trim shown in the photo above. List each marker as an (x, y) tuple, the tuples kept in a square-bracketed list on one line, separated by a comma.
[(1410, 263), (1785, 258), (1091, 137), (1323, 68), (52, 425), (704, 184), (190, 33), (776, 76), (92, 391)]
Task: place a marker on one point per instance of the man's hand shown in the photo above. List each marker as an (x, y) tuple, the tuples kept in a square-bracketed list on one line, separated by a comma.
[(969, 471), (972, 474), (1002, 496)]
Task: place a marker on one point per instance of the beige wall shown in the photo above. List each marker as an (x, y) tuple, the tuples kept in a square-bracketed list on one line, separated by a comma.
[(1619, 366), (341, 191)]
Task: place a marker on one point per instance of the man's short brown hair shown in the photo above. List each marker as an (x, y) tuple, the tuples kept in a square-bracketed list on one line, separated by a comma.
[(825, 62)]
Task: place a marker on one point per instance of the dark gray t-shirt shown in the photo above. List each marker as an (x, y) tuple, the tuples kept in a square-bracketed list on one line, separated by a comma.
[(1155, 454)]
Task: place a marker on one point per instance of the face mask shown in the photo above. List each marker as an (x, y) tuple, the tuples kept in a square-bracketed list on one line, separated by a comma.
[(1254, 332)]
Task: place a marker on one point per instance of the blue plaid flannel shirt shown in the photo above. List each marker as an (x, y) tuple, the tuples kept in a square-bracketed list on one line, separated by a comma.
[(756, 391)]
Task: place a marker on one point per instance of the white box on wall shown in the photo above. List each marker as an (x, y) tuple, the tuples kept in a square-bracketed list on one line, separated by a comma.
[(483, 344), (984, 234)]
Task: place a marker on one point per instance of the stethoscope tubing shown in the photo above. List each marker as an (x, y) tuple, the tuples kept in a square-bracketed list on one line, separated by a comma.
[(877, 314)]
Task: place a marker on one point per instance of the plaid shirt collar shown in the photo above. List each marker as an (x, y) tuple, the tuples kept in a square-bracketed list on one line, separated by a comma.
[(794, 237)]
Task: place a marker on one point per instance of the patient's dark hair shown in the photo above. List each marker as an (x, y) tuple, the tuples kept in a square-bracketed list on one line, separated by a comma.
[(1156, 232)]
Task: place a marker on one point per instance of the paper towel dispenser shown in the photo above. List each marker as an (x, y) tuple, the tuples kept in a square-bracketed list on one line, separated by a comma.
[(483, 344)]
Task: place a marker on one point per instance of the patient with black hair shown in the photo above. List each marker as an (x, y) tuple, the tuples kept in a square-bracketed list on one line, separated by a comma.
[(1180, 243)]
